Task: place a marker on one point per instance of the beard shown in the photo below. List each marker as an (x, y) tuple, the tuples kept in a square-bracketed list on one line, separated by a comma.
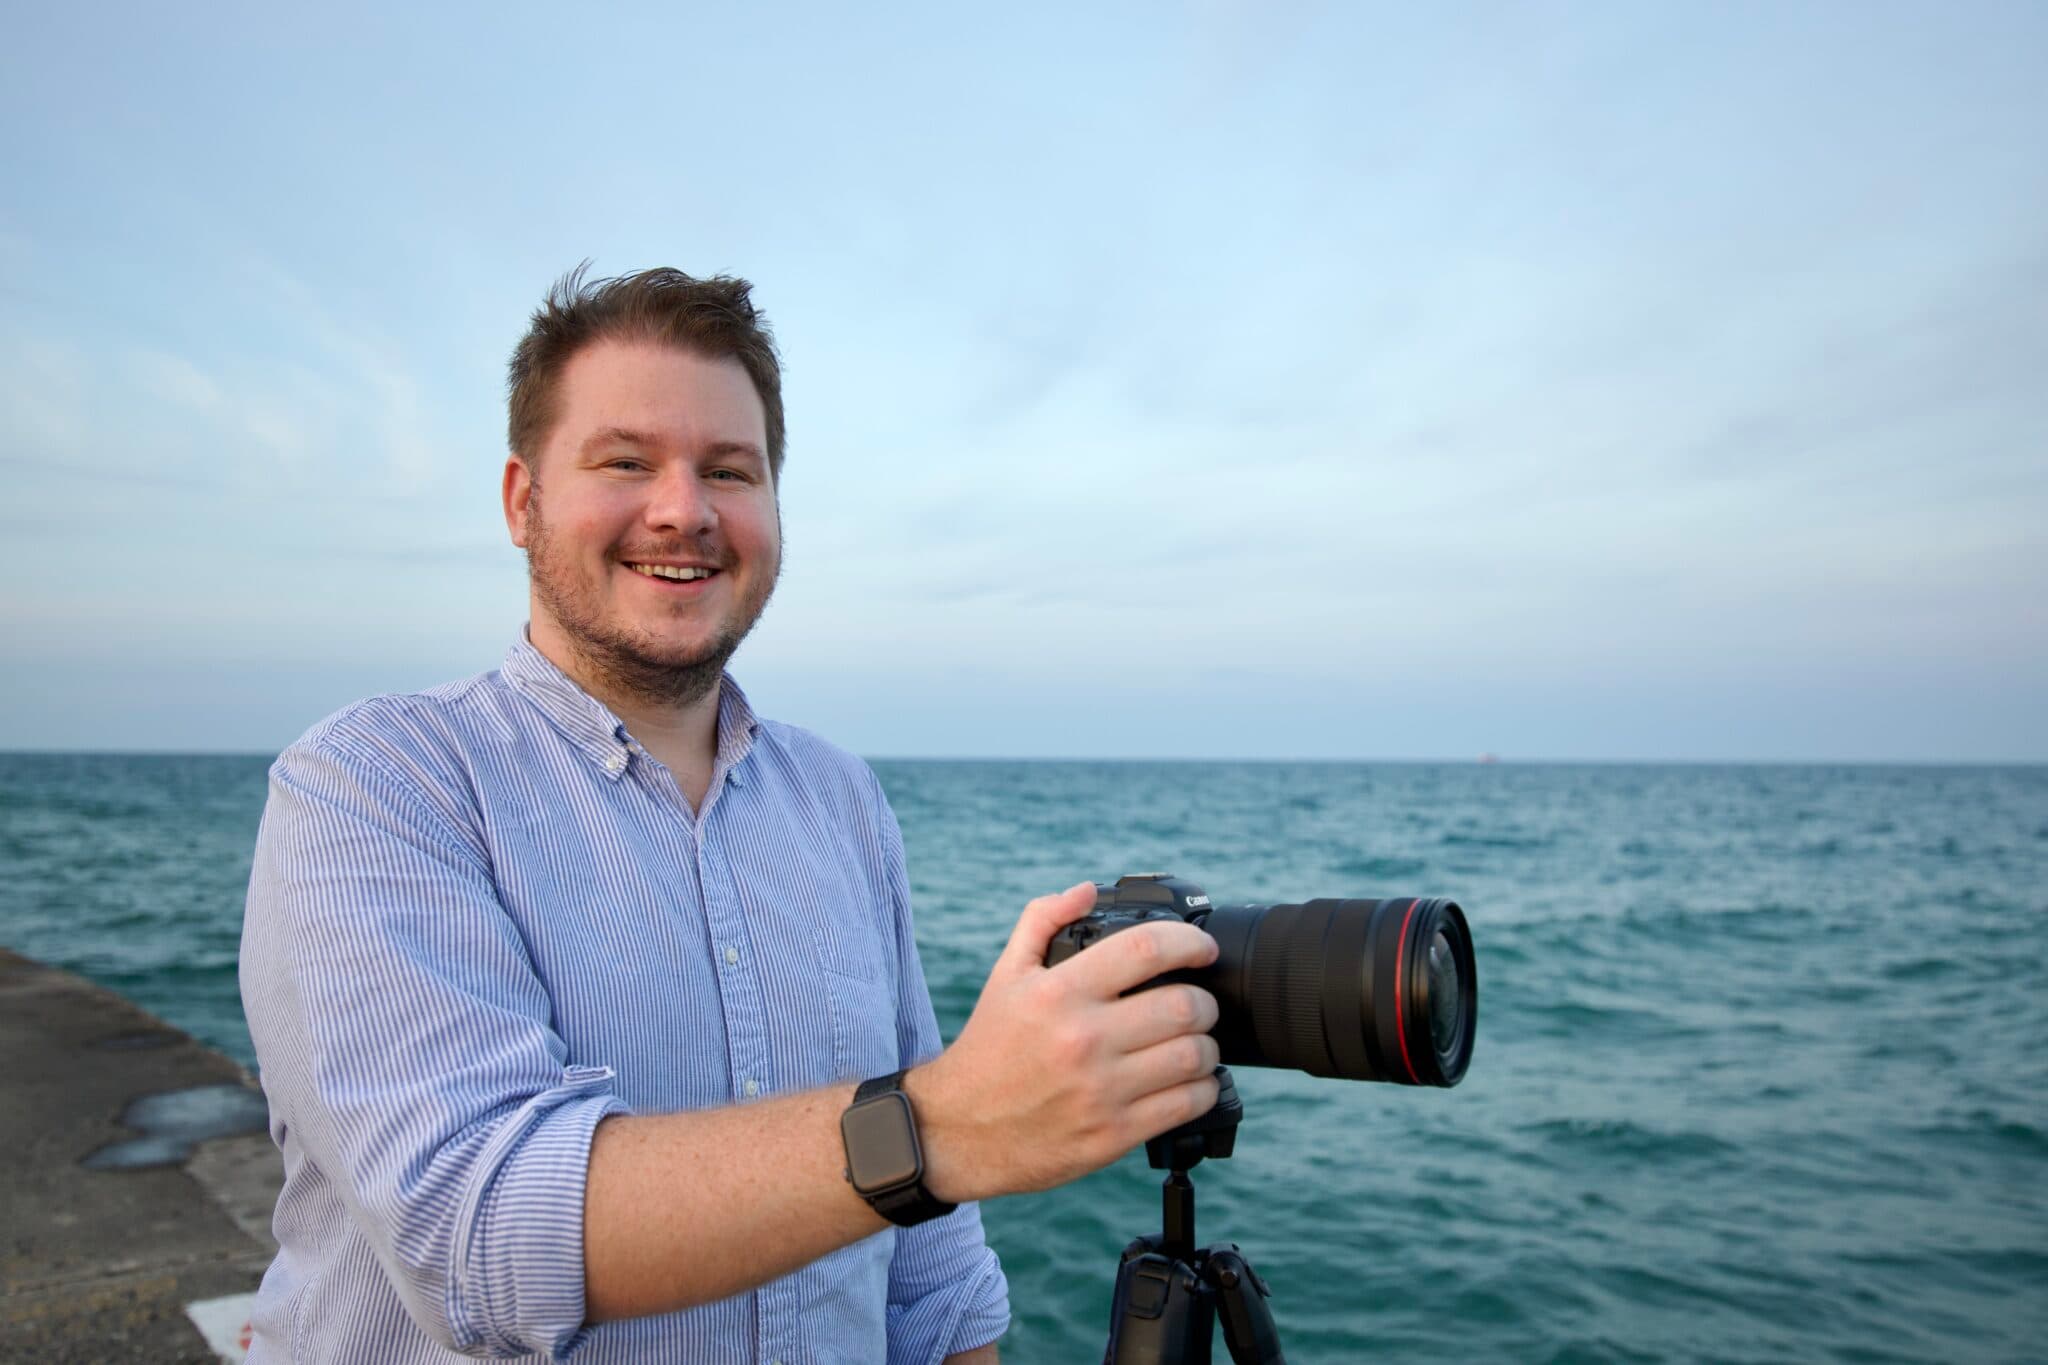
[(624, 661)]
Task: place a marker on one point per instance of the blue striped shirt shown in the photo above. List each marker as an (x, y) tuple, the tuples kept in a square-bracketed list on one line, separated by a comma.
[(481, 919)]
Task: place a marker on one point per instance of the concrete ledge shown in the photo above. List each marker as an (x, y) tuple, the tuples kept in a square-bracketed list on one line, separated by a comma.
[(98, 1265)]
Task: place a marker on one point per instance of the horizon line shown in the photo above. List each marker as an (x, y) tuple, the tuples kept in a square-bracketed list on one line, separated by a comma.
[(1487, 761)]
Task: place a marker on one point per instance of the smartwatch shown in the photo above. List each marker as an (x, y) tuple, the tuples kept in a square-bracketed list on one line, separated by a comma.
[(884, 1160)]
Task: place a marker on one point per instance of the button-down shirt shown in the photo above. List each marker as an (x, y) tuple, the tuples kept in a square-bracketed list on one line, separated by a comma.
[(481, 919)]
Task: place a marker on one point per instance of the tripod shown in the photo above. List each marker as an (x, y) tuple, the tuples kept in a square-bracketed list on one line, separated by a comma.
[(1168, 1293)]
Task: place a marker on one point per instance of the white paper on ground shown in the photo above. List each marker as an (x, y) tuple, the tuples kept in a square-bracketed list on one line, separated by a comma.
[(225, 1324)]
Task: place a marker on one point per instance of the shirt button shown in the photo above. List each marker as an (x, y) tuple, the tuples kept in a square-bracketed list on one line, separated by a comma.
[(615, 763), (752, 1088), (732, 957)]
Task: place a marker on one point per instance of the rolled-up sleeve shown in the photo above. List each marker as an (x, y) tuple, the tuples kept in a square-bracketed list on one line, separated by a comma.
[(407, 1054), (947, 1291)]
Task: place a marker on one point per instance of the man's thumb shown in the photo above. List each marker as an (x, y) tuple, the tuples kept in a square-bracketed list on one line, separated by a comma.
[(1042, 919)]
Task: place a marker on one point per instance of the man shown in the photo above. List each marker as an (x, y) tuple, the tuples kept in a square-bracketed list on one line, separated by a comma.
[(563, 978)]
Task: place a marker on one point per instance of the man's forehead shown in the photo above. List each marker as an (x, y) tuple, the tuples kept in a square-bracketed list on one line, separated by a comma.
[(649, 393)]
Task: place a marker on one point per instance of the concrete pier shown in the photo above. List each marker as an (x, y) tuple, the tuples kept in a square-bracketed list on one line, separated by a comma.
[(98, 1263)]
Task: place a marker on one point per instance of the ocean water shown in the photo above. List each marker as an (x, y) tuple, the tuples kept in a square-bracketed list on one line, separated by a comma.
[(1762, 1068)]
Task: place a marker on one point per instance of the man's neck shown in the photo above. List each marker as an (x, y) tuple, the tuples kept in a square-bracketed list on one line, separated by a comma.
[(682, 735)]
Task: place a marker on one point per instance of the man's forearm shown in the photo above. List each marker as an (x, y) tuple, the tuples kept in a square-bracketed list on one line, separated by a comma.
[(1058, 1072), (683, 1209), (980, 1355)]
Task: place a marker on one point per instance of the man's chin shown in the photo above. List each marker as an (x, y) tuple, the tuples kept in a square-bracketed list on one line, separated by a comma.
[(650, 657), (685, 660), (663, 672)]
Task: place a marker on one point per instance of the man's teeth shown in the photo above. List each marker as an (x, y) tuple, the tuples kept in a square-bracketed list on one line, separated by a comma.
[(668, 571)]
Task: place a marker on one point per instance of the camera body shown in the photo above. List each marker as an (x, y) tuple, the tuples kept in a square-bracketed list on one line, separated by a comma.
[(1126, 904)]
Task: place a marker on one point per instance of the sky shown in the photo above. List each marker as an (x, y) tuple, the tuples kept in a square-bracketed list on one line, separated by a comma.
[(1601, 382)]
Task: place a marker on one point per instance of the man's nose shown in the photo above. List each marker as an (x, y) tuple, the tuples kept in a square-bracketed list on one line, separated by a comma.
[(678, 502)]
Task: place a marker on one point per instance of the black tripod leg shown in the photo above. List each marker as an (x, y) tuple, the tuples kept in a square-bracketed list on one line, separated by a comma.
[(1248, 1327), (1161, 1314)]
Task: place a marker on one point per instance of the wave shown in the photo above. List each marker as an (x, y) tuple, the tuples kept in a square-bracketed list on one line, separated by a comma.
[(1769, 922), (1576, 1019), (1922, 969), (1455, 840), (1381, 867), (96, 809), (1984, 1128), (1624, 1138)]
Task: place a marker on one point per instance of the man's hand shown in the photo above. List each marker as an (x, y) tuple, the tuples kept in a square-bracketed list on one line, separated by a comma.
[(1057, 1073)]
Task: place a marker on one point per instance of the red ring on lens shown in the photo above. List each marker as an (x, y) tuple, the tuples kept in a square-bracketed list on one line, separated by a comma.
[(1400, 975)]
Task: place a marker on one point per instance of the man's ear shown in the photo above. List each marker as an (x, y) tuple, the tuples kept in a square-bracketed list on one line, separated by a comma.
[(518, 495)]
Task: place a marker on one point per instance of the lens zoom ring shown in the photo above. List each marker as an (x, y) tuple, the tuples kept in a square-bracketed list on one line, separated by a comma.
[(1286, 988)]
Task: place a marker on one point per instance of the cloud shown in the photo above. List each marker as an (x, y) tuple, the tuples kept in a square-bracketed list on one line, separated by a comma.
[(175, 380), (43, 386), (308, 397), (105, 475), (371, 365)]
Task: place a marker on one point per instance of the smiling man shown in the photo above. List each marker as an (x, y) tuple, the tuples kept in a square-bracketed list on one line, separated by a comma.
[(588, 1002), (659, 539)]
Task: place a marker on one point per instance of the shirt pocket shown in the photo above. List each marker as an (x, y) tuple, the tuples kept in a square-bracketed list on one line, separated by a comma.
[(863, 1027), (851, 943)]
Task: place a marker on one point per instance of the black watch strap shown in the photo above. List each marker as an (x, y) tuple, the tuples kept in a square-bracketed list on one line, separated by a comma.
[(909, 1203), (879, 1085)]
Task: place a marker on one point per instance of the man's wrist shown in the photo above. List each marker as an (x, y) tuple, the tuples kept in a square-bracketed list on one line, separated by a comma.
[(885, 1152), (927, 1101)]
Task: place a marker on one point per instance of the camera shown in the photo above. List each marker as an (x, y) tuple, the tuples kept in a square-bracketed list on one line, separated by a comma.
[(1366, 990)]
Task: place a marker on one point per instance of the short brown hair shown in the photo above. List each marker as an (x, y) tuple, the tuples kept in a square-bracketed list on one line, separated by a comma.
[(712, 317)]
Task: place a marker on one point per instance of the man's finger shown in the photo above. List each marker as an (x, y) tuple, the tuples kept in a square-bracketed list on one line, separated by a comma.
[(1155, 1113), (1138, 1021), (1163, 1066), (1134, 956), (1042, 919)]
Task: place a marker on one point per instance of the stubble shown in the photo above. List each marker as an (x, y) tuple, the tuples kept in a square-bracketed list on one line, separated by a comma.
[(625, 662)]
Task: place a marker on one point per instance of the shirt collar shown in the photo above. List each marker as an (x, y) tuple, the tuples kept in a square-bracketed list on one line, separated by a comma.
[(591, 726), (736, 727)]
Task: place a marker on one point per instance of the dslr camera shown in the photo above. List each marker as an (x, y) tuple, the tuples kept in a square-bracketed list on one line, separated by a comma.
[(1366, 990)]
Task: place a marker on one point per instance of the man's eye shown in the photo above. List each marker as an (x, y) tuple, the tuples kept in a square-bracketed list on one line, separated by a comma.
[(625, 464)]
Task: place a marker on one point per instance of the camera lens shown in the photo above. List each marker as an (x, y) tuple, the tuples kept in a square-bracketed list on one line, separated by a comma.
[(1446, 999), (1369, 990)]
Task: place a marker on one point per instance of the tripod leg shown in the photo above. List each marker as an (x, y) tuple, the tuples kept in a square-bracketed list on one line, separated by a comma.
[(1248, 1327), (1162, 1313)]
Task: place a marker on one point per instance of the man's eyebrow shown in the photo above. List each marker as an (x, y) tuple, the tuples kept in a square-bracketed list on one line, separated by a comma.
[(627, 436), (617, 436)]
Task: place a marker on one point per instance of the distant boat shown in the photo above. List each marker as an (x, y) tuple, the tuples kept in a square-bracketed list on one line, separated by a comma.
[(1489, 758)]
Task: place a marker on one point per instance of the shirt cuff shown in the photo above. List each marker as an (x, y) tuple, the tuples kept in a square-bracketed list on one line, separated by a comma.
[(522, 1256), (959, 1316)]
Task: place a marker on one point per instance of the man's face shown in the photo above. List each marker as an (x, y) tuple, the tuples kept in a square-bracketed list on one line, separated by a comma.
[(649, 522)]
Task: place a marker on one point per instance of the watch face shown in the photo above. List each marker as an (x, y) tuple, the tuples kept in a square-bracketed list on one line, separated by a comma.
[(881, 1144)]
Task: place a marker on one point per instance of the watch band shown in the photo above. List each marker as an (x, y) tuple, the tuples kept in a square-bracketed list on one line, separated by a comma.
[(879, 1085), (910, 1203)]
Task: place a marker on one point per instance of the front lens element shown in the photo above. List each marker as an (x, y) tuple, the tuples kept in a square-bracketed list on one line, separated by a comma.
[(1446, 997)]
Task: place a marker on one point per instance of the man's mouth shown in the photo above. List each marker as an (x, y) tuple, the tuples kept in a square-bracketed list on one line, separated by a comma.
[(674, 573)]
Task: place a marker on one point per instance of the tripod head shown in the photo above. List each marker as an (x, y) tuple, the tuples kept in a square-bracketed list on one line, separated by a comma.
[(1213, 1134), (1168, 1293)]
